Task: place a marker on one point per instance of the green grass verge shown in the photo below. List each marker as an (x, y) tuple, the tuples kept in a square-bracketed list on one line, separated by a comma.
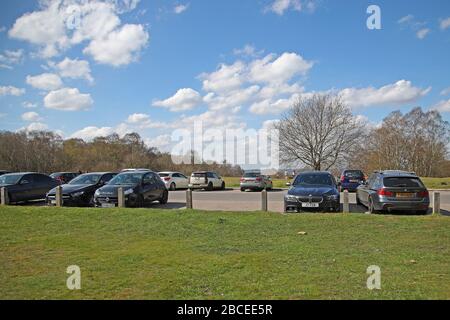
[(430, 183), (157, 254)]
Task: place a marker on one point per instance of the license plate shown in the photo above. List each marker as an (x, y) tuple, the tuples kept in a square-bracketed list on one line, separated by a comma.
[(353, 180), (310, 205), (405, 195), (108, 205)]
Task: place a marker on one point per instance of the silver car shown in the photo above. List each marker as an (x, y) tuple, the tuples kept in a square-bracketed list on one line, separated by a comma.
[(394, 190), (255, 181)]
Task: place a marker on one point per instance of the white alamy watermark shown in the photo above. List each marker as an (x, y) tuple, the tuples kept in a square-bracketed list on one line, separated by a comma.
[(374, 20), (74, 280), (250, 147), (374, 279)]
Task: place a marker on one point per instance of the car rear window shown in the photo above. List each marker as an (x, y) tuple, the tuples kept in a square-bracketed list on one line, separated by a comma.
[(402, 182), (251, 175), (162, 175), (199, 174), (353, 174)]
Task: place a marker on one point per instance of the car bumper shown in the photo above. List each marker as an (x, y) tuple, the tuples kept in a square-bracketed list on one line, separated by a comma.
[(350, 186), (111, 202), (68, 201), (324, 206), (198, 186), (252, 186), (391, 205)]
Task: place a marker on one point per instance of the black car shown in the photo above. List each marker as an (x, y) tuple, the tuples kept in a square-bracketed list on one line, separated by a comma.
[(27, 186), (140, 188), (392, 190), (80, 191), (313, 191), (64, 177)]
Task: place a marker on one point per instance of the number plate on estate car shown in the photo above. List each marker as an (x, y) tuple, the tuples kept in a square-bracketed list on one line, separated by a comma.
[(108, 205), (405, 195), (310, 205)]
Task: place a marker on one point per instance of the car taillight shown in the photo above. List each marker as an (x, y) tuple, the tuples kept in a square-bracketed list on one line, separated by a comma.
[(424, 194), (242, 179), (386, 193), (342, 178), (166, 178)]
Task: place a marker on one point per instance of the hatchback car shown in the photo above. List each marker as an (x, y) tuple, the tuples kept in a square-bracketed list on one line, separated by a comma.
[(394, 190), (140, 188), (351, 180), (255, 181), (64, 177), (313, 191), (27, 186), (206, 180), (80, 191), (174, 180)]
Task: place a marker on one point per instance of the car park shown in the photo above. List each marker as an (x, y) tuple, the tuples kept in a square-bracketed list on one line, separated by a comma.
[(140, 187), (254, 180), (394, 190), (351, 179), (64, 177), (80, 191), (174, 180), (27, 186), (206, 180), (313, 191)]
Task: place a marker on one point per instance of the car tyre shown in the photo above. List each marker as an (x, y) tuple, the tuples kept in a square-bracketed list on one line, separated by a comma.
[(165, 198), (222, 187), (210, 187), (173, 186), (242, 189), (371, 207)]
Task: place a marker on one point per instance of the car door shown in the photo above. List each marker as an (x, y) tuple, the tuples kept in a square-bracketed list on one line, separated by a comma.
[(217, 180), (27, 188), (151, 187), (184, 181)]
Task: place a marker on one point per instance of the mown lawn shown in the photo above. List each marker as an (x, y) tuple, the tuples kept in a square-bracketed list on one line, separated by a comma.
[(179, 254)]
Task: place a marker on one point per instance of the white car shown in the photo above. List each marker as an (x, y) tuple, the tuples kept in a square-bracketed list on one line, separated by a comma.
[(174, 180), (206, 180)]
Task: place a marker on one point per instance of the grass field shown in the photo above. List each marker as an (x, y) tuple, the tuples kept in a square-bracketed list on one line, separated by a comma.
[(431, 183), (156, 254)]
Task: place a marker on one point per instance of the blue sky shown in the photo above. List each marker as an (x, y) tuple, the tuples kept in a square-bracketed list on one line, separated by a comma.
[(89, 68)]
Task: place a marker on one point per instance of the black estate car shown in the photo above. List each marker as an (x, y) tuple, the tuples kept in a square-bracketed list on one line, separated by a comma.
[(140, 187), (80, 191), (394, 190), (313, 191), (27, 186)]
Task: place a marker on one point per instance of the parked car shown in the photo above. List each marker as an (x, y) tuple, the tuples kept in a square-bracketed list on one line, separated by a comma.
[(394, 190), (26, 186), (206, 180), (254, 180), (140, 187), (2, 172), (80, 191), (351, 180), (315, 191), (174, 180), (64, 177)]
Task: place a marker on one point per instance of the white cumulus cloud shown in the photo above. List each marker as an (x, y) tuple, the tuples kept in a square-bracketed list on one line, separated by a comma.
[(11, 91), (45, 81), (74, 69), (31, 116), (68, 99), (180, 8), (184, 99)]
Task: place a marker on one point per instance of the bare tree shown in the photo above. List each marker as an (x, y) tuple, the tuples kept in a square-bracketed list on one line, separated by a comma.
[(319, 132)]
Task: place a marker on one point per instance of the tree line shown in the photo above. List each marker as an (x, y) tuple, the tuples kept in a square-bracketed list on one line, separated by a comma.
[(47, 152)]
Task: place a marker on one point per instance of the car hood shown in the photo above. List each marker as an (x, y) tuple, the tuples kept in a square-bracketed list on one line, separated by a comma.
[(71, 188), (111, 190), (314, 191)]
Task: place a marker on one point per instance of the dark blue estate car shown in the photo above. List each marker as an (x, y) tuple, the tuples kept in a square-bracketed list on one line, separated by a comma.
[(351, 180), (313, 191)]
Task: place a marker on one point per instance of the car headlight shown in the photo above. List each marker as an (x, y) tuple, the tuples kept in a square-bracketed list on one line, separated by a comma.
[(97, 193), (290, 198), (77, 194), (333, 197), (128, 192)]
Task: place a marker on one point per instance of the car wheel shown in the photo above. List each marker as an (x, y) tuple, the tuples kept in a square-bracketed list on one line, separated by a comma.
[(164, 198), (371, 207), (223, 186), (210, 187), (173, 186), (91, 202), (242, 189)]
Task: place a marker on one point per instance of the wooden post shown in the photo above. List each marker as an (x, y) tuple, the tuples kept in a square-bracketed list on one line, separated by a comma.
[(264, 203), (346, 207), (120, 198), (436, 203), (189, 204), (4, 197), (58, 196)]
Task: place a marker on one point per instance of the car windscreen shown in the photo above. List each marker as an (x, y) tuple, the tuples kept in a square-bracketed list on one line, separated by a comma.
[(162, 175), (199, 174), (10, 178), (252, 175), (313, 179), (402, 182), (128, 178), (86, 179), (54, 175), (353, 174)]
